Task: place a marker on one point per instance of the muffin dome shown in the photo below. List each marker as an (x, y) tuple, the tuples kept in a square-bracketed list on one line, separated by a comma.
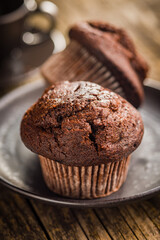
[(81, 124), (111, 43)]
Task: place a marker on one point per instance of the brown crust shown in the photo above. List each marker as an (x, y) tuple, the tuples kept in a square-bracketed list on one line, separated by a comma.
[(82, 124), (120, 35), (113, 47)]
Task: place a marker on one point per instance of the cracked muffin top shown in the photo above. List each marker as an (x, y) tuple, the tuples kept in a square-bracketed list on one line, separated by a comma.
[(81, 124)]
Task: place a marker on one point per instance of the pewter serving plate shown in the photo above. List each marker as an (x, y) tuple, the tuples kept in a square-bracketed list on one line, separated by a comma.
[(20, 169)]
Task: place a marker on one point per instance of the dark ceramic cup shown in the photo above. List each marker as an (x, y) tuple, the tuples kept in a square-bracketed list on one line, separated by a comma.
[(13, 15)]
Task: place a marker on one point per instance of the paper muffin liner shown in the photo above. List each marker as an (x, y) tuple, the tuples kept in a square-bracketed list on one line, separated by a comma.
[(75, 63), (84, 182)]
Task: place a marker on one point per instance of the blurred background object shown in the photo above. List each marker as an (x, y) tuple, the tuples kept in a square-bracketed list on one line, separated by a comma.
[(39, 39), (29, 37), (141, 19)]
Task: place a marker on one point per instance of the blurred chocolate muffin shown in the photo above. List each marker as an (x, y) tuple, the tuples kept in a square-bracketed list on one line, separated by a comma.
[(100, 53), (84, 135)]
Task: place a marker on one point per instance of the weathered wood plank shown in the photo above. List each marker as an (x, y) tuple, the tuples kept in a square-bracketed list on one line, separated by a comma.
[(60, 223), (17, 221), (152, 212), (115, 223), (132, 223), (91, 224), (145, 224)]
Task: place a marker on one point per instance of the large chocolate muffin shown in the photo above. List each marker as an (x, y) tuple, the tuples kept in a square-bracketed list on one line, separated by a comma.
[(100, 53), (84, 135)]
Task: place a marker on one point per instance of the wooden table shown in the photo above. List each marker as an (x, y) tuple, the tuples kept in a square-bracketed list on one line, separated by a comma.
[(21, 218), (29, 219)]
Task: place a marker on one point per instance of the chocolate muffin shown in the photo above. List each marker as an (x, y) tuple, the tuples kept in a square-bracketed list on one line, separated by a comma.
[(100, 53), (84, 135)]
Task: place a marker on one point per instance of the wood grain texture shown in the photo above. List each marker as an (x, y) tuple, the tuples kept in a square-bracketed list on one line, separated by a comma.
[(17, 221), (131, 221), (91, 224), (60, 223), (25, 219), (152, 212), (149, 229), (112, 219)]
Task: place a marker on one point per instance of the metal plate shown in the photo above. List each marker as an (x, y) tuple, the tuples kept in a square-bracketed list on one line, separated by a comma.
[(20, 168)]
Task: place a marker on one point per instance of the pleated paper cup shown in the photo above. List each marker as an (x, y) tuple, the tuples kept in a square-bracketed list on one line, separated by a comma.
[(86, 182)]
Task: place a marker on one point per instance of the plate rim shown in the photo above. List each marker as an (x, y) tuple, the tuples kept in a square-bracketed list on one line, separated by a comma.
[(63, 201), (81, 203)]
